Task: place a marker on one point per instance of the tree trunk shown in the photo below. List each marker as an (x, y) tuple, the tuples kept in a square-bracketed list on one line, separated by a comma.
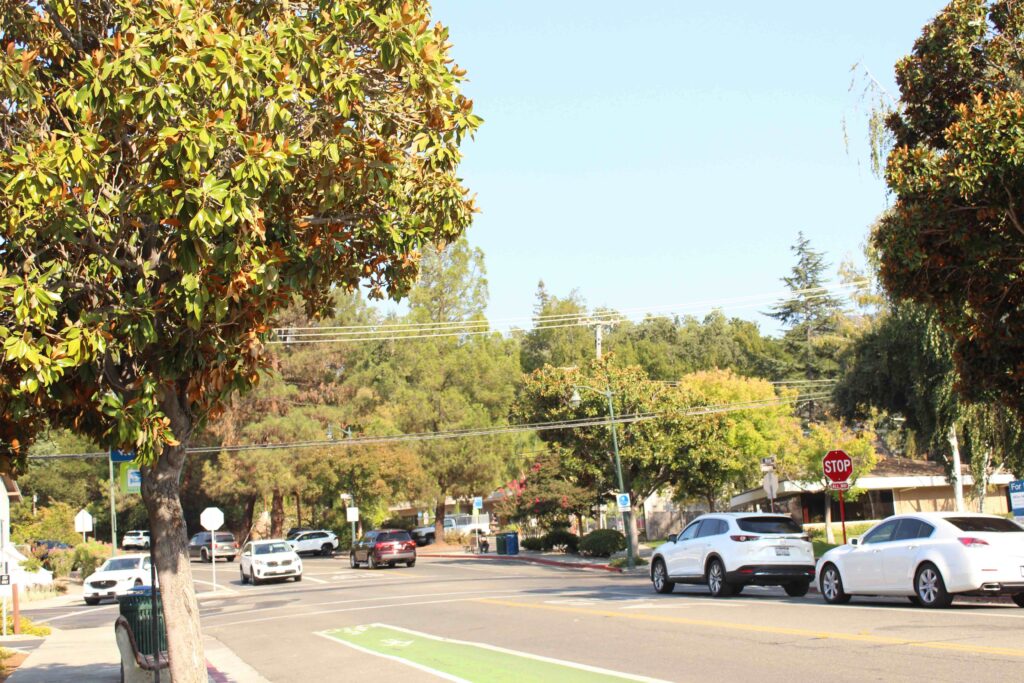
[(248, 509), (439, 509), (958, 487), (711, 502), (298, 510), (830, 537), (277, 515), (160, 493), (634, 533)]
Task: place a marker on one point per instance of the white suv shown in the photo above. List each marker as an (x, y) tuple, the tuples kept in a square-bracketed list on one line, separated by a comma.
[(136, 539), (319, 541), (731, 550)]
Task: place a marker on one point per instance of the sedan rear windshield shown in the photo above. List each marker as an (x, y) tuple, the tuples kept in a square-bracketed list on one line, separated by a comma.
[(769, 525), (395, 536), (984, 524)]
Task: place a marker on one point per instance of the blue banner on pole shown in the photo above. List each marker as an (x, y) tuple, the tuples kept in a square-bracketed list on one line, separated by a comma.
[(478, 503), (121, 456)]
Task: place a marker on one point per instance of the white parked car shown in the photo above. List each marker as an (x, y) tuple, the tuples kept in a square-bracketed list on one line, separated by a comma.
[(136, 539), (318, 541), (274, 559), (117, 576), (928, 557), (728, 551)]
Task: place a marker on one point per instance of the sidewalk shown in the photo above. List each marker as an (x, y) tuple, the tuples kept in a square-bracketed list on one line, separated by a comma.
[(90, 655)]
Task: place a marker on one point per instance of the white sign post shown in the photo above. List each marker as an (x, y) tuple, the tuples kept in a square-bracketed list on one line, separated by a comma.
[(212, 519), (352, 515), (83, 523), (771, 487)]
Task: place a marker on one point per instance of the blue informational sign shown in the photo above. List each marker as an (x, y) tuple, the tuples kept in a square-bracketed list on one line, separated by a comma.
[(1017, 498), (478, 503), (623, 500), (121, 456)]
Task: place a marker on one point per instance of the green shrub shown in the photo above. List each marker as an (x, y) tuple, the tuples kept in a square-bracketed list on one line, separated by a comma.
[(90, 555), (561, 539), (602, 543), (28, 627), (533, 543), (622, 562), (54, 522), (60, 562), (452, 537), (31, 564)]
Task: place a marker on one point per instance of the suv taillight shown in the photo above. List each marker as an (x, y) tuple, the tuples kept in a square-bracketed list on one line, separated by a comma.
[(971, 541), (743, 538)]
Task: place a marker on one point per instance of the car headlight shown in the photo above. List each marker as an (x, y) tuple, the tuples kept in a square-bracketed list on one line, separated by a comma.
[(259, 563)]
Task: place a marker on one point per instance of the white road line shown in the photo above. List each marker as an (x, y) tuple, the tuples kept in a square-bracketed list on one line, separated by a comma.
[(75, 614), (313, 579)]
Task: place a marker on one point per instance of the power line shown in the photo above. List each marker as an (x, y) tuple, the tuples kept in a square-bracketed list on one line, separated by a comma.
[(465, 433), (482, 327)]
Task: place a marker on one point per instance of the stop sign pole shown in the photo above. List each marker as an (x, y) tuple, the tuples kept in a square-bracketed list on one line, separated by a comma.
[(838, 467)]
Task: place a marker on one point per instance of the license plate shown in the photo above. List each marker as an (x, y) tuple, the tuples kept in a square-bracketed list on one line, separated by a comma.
[(781, 552)]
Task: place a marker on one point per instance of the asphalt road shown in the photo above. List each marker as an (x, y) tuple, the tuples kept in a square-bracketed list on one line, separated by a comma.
[(510, 621)]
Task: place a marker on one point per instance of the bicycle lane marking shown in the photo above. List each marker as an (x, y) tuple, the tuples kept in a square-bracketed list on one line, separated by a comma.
[(467, 661)]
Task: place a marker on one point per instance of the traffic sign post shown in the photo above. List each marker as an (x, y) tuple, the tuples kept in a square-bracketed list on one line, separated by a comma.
[(623, 501), (838, 467), (771, 487), (212, 519), (352, 515), (83, 523)]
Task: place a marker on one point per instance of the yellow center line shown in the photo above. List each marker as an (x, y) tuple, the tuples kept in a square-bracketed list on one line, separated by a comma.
[(775, 630)]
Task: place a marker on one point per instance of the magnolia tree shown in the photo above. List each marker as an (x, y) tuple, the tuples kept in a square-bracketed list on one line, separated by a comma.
[(174, 173)]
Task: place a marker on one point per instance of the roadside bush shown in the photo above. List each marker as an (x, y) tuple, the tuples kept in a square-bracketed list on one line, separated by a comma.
[(28, 627), (407, 523), (60, 562), (621, 562), (533, 543), (90, 555), (602, 543), (561, 539), (452, 537), (31, 564), (55, 522)]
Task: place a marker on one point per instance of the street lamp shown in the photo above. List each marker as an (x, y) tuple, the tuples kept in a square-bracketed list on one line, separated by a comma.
[(575, 401)]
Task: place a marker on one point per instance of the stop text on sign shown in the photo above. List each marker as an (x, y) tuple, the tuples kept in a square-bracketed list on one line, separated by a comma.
[(837, 466)]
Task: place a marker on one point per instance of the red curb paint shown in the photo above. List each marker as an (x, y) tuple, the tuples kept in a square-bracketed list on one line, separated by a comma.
[(520, 558), (215, 675)]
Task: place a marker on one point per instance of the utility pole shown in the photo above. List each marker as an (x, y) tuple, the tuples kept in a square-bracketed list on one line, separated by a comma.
[(599, 325)]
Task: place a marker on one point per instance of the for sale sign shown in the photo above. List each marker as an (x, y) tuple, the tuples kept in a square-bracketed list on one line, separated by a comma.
[(1017, 498)]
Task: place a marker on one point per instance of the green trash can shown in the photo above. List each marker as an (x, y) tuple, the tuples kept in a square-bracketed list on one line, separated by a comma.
[(137, 609), (499, 541)]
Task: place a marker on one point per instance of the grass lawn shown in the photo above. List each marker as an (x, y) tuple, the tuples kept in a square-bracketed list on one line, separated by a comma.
[(821, 547)]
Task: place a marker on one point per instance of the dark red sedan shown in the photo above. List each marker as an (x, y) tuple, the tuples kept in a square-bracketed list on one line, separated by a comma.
[(383, 546)]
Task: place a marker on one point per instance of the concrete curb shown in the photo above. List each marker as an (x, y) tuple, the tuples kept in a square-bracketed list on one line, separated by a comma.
[(526, 558)]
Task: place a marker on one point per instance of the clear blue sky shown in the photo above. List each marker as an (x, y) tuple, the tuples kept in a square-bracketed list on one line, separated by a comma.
[(666, 152)]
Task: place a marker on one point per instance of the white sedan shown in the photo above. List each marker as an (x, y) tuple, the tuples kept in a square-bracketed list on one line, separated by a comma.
[(117, 576), (928, 557), (274, 559)]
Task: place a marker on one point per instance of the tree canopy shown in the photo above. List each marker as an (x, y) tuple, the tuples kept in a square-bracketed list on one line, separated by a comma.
[(954, 239)]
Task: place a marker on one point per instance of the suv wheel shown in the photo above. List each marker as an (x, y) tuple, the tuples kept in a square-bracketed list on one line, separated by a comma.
[(245, 579), (326, 549), (717, 585), (797, 589), (204, 556), (1019, 599), (659, 577), (370, 562), (930, 588), (831, 585)]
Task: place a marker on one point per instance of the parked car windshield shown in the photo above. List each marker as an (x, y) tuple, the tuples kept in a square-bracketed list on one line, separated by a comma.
[(270, 548), (984, 524), (769, 525), (395, 536), (120, 563)]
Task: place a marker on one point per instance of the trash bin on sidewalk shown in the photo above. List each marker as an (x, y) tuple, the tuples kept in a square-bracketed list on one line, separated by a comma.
[(137, 609), (499, 543), (512, 543)]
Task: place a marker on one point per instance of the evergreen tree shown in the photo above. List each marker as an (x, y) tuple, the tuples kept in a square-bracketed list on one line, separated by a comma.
[(811, 320)]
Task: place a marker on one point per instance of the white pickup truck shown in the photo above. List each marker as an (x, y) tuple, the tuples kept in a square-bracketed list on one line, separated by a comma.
[(464, 524)]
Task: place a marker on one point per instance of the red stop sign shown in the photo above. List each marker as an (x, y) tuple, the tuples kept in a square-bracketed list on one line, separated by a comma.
[(837, 466)]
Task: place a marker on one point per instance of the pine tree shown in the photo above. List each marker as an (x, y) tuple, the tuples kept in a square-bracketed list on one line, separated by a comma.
[(811, 319)]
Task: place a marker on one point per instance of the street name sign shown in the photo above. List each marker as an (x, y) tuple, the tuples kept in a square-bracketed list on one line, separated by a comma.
[(837, 466), (623, 501), (121, 456), (212, 519)]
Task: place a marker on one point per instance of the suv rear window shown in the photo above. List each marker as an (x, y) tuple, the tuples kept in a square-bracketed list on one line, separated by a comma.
[(984, 524), (395, 536), (225, 538), (769, 525)]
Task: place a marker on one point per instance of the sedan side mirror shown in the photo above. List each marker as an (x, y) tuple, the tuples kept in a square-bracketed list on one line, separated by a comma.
[(855, 540), (671, 538)]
